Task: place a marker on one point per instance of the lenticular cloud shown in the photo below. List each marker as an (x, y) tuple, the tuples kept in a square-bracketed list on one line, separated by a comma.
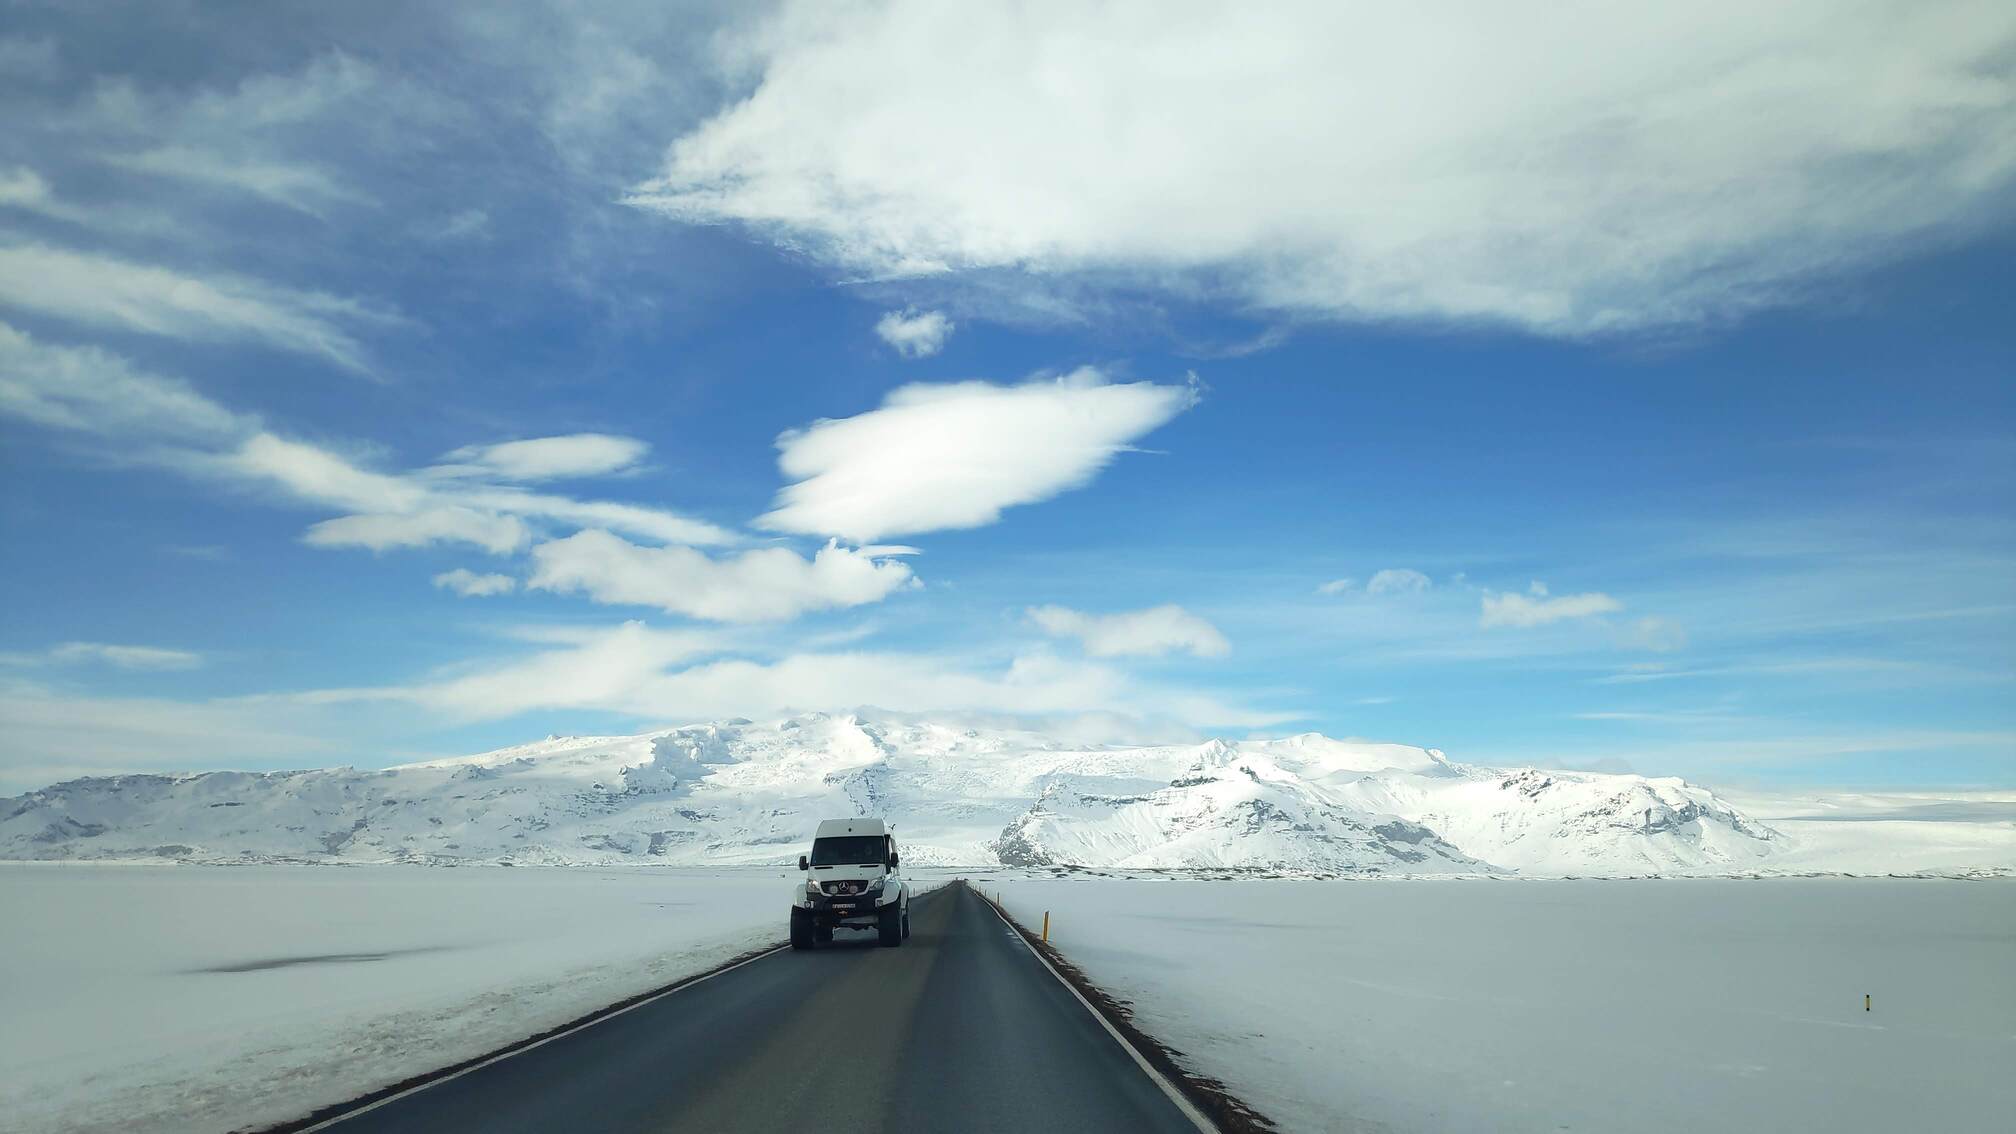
[(953, 456)]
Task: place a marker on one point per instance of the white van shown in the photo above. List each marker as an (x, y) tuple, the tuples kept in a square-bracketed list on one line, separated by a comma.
[(851, 881)]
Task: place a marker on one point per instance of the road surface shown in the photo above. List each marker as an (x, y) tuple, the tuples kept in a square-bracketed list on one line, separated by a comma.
[(961, 1028)]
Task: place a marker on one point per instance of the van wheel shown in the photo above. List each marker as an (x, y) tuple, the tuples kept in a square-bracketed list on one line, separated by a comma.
[(801, 928), (906, 925), (890, 925)]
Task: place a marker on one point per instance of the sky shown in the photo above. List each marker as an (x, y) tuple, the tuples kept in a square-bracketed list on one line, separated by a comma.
[(1589, 387)]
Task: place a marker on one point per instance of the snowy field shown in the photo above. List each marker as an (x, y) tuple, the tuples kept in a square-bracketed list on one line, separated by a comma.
[(166, 998), (1682, 1006)]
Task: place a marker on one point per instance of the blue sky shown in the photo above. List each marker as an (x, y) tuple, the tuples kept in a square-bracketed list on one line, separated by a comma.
[(377, 386)]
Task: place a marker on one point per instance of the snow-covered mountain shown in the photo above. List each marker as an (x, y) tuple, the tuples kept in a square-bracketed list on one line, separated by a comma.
[(740, 792)]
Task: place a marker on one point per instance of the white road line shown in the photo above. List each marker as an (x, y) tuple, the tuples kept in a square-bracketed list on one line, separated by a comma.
[(1197, 1117), (502, 1056)]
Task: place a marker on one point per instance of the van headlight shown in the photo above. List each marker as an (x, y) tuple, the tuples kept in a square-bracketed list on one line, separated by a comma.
[(875, 887), (812, 889)]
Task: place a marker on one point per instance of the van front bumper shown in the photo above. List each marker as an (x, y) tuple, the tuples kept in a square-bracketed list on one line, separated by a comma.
[(831, 909)]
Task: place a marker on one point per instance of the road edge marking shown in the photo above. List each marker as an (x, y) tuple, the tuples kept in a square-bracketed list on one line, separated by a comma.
[(523, 1046), (1190, 1111)]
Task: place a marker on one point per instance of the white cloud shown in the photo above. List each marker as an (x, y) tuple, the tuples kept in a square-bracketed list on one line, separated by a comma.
[(1152, 632), (1537, 608), (1397, 580), (550, 458), (914, 333), (100, 291), (955, 455), (764, 585), (469, 584), (1336, 586), (1596, 168), (106, 653)]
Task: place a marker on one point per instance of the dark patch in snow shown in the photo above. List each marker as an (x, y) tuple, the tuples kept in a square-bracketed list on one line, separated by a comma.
[(265, 963)]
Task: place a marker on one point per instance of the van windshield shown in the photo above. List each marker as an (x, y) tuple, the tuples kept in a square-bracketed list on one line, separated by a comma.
[(848, 850)]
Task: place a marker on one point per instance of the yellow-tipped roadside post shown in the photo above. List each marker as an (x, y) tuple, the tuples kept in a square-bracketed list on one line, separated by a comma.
[(1046, 927)]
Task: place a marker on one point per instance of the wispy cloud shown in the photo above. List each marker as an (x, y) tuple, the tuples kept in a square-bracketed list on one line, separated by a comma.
[(469, 584), (1397, 580), (1537, 608), (763, 585), (1152, 632), (657, 674), (258, 137), (47, 735), (305, 188), (109, 293), (91, 392), (107, 653), (1386, 581), (1659, 635), (1889, 669), (914, 333)]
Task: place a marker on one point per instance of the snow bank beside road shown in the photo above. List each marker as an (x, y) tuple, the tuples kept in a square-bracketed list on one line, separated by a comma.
[(165, 998), (1564, 1005)]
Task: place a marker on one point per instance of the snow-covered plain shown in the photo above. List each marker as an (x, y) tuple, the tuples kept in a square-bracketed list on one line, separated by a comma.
[(1650, 1005), (187, 998)]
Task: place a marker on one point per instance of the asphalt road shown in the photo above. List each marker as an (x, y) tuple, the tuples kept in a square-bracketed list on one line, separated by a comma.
[(961, 1028)]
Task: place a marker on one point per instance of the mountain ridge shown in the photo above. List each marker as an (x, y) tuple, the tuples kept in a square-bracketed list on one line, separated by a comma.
[(741, 792)]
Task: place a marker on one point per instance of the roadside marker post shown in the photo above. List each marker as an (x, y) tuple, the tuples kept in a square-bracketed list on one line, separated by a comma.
[(1046, 927), (1865, 1002)]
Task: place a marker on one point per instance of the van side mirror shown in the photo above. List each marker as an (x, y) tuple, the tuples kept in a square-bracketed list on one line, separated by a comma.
[(892, 860), (804, 863)]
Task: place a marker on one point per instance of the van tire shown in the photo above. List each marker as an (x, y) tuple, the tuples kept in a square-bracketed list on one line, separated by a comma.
[(889, 925), (906, 925), (801, 928)]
